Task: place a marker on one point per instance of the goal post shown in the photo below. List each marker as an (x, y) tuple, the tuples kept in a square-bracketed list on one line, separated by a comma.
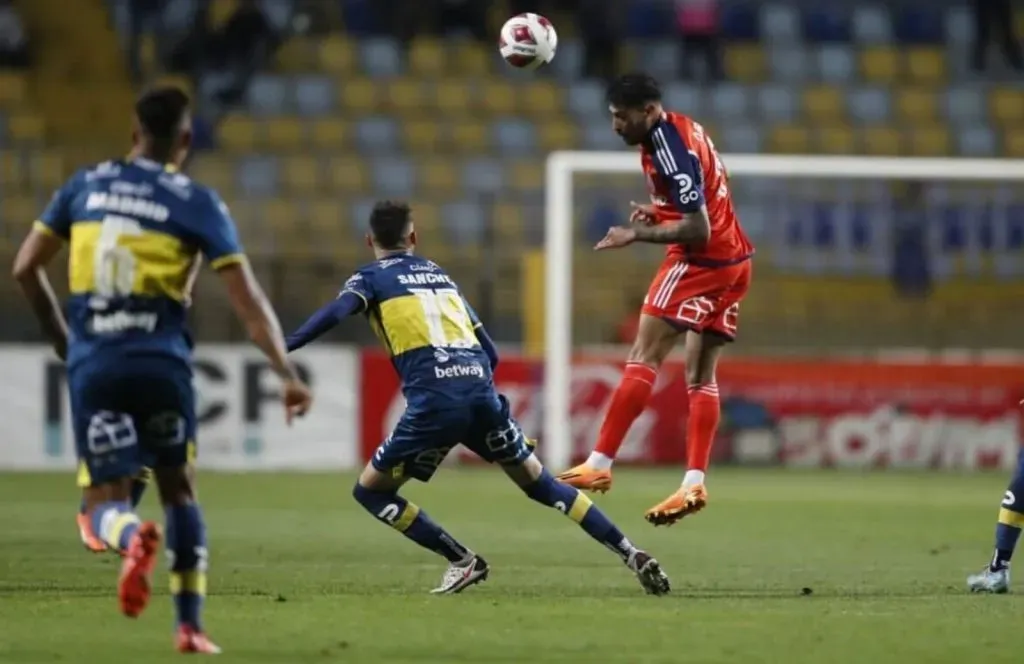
[(561, 168)]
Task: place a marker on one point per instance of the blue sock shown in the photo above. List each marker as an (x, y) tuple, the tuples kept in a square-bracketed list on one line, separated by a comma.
[(115, 523), (139, 484), (549, 491), (1011, 519), (186, 542), (408, 519)]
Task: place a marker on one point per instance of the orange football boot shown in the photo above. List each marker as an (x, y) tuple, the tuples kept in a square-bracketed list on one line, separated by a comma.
[(190, 640), (92, 543), (683, 502), (133, 588), (585, 478)]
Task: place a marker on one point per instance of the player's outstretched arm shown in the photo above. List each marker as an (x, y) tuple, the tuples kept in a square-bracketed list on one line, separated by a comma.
[(325, 319), (693, 228), (254, 310), (35, 253)]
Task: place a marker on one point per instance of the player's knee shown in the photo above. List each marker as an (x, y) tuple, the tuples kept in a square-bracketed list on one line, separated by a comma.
[(548, 491), (373, 500)]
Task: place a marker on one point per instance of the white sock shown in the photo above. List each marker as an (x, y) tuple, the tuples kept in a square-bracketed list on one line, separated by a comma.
[(598, 461), (693, 477)]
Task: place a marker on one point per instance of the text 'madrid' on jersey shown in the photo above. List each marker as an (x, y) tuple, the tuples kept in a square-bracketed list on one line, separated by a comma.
[(428, 328), (135, 230), (684, 172)]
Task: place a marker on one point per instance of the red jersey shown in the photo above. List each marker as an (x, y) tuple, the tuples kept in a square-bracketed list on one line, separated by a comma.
[(684, 172)]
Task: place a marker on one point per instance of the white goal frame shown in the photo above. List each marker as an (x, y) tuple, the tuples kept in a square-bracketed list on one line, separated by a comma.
[(558, 241)]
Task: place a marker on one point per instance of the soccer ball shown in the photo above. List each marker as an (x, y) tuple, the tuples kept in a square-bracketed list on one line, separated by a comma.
[(528, 41)]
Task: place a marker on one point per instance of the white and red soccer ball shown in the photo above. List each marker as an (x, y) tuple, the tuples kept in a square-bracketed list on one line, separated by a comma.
[(528, 41)]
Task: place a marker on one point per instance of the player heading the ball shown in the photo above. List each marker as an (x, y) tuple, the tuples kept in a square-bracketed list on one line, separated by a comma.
[(136, 228), (696, 291), (445, 361)]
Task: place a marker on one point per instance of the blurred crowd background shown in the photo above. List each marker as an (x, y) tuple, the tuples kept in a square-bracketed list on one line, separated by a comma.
[(308, 110)]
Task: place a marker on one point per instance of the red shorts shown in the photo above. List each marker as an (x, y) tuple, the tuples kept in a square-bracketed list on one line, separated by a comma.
[(702, 299)]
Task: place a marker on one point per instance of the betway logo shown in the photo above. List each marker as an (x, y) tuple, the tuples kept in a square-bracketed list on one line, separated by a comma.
[(122, 321), (474, 370)]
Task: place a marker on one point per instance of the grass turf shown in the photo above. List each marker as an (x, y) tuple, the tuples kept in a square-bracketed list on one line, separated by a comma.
[(782, 567)]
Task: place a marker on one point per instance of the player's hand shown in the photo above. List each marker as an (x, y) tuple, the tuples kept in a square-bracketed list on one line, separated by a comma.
[(644, 214), (618, 236), (296, 398)]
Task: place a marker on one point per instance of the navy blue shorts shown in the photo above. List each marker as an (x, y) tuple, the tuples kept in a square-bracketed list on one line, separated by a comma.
[(131, 414), (423, 438)]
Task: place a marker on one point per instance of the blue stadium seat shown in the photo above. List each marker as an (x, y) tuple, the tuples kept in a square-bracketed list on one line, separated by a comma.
[(826, 24), (646, 19), (823, 226), (920, 24), (464, 222), (381, 57), (776, 103), (684, 97), (586, 98), (597, 135), (730, 101), (869, 104), (964, 105), (739, 22), (780, 24), (740, 138), (377, 135), (952, 228), (514, 136), (569, 63), (483, 175), (871, 25), (278, 13), (958, 24), (661, 58), (861, 229), (976, 141), (314, 95), (258, 176), (177, 17), (788, 62), (836, 63), (394, 177), (268, 95)]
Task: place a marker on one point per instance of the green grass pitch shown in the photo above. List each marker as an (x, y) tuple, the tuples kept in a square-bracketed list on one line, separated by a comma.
[(299, 573)]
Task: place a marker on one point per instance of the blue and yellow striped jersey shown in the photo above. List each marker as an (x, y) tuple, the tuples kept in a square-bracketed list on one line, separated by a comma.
[(135, 231), (428, 328)]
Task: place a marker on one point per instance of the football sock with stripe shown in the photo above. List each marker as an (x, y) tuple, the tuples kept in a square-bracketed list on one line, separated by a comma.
[(628, 402), (186, 546), (1010, 521), (701, 427), (392, 509), (115, 523), (546, 490)]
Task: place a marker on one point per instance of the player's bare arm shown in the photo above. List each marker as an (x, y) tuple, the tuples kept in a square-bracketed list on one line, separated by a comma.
[(35, 253), (254, 310), (693, 228)]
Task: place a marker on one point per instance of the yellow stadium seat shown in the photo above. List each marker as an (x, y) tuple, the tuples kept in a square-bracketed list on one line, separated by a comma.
[(882, 141), (13, 89), (926, 65), (915, 106), (19, 211), (497, 97), (527, 175), (557, 134), (214, 171), (789, 139), (427, 218), (295, 55), (422, 135), (929, 141), (471, 59), (837, 140), (359, 95), (1007, 106), (427, 57), (285, 133), (237, 133), (25, 128), (283, 215), (823, 104), (1013, 143), (452, 96), (220, 12), (329, 133), (542, 99), (745, 63), (880, 64), (301, 174), (337, 55), (11, 170), (508, 220), (328, 220), (469, 136), (438, 176), (405, 95), (46, 170), (348, 173)]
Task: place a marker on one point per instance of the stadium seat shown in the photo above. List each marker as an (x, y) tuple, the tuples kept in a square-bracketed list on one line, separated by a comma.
[(337, 55), (285, 134), (868, 105), (314, 96), (347, 173), (976, 142), (329, 133), (328, 222), (776, 103), (926, 65), (730, 102), (381, 58), (508, 221), (376, 134), (13, 89), (257, 176), (789, 139), (823, 104), (527, 175), (745, 63), (20, 211), (780, 23), (559, 134), (882, 140), (358, 95), (789, 63), (879, 64), (836, 63), (422, 135), (46, 170), (871, 25), (1013, 143), (497, 97), (542, 99), (661, 58), (469, 136), (916, 105), (470, 59), (514, 135), (26, 128), (427, 57), (1007, 106), (963, 105), (959, 26), (598, 135), (214, 171), (837, 140), (482, 175), (295, 55), (687, 97), (930, 140), (394, 177), (743, 138), (300, 174), (438, 176), (463, 223), (267, 94), (405, 95), (451, 96)]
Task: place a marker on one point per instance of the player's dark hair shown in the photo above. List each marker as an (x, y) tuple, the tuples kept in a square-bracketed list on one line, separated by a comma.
[(633, 91), (389, 222), (161, 112)]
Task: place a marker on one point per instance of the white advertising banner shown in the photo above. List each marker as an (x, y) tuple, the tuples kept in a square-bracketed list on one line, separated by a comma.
[(241, 421)]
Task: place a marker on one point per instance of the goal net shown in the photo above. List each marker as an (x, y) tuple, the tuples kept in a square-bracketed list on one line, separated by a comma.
[(866, 256)]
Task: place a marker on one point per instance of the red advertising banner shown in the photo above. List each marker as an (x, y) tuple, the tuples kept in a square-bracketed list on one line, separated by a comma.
[(792, 412)]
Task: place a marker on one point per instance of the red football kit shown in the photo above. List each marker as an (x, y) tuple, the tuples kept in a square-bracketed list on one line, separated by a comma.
[(697, 287)]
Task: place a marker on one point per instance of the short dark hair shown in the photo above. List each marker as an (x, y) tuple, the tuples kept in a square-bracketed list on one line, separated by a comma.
[(389, 221), (633, 91), (161, 111)]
